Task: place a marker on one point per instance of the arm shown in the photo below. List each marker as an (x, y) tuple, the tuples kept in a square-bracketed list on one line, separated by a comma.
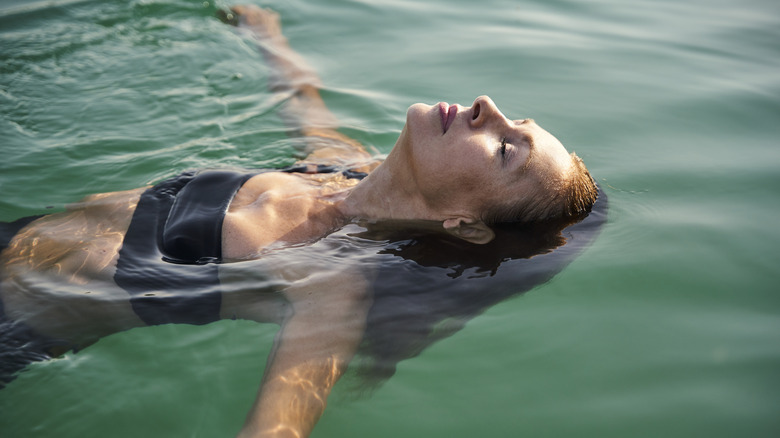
[(304, 108), (311, 352)]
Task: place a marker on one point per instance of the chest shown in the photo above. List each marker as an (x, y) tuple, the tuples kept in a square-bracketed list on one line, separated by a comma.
[(273, 209)]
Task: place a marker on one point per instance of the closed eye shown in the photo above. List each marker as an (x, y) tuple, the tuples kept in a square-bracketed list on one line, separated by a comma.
[(503, 147)]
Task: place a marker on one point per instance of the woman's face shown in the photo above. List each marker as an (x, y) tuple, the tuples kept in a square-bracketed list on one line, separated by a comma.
[(467, 159)]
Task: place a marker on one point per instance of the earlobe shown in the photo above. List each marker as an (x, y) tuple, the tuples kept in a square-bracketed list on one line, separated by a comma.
[(474, 231)]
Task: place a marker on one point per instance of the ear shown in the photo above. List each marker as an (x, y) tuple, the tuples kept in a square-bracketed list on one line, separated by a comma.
[(471, 230)]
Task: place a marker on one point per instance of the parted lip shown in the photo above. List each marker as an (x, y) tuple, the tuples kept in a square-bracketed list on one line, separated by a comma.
[(447, 114)]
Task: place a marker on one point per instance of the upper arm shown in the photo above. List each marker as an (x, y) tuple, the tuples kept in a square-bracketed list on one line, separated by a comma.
[(330, 146), (303, 109)]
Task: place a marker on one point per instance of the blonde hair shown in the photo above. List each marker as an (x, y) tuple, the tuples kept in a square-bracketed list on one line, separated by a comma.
[(572, 199)]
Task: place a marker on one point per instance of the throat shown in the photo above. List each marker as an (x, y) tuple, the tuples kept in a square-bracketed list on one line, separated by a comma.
[(384, 195)]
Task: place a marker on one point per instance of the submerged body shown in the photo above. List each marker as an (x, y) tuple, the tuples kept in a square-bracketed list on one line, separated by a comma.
[(166, 254)]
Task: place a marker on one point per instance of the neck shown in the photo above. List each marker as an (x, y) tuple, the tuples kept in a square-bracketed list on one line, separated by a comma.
[(388, 192), (380, 196)]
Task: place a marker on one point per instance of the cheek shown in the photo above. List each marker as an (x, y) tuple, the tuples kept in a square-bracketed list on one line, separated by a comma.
[(473, 181), (475, 160)]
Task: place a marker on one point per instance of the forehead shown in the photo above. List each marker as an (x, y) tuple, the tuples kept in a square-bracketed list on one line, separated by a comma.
[(528, 125), (536, 132)]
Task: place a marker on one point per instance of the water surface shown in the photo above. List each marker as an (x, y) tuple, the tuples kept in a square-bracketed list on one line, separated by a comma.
[(668, 325)]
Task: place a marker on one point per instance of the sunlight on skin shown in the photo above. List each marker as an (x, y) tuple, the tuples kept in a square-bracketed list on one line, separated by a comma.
[(92, 245), (92, 248), (281, 431), (301, 394), (312, 351)]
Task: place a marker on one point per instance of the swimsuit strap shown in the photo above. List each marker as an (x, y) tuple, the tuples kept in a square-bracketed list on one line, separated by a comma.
[(322, 168)]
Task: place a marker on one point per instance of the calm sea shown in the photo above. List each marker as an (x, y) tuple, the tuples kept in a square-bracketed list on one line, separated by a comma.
[(668, 325)]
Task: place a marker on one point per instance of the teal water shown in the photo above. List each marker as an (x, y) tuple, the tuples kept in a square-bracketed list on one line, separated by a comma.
[(669, 325)]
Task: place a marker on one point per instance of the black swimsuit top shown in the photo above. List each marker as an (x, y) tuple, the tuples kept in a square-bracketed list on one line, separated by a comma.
[(176, 223), (193, 230)]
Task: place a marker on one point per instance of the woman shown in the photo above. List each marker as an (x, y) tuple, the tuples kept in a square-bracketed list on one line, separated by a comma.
[(161, 254)]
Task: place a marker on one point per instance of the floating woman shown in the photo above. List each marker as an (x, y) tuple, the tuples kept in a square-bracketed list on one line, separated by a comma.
[(349, 254)]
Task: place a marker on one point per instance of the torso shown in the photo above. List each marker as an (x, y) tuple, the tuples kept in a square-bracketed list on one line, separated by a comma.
[(81, 245)]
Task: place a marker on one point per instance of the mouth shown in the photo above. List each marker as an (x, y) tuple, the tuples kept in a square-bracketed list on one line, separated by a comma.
[(447, 114)]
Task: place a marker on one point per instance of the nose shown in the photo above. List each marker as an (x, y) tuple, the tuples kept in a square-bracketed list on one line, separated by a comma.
[(483, 111)]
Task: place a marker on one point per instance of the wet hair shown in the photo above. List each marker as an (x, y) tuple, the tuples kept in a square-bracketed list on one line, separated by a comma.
[(579, 193), (570, 199), (429, 284)]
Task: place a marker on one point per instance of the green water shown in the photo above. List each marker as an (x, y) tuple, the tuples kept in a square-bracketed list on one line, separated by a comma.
[(669, 325)]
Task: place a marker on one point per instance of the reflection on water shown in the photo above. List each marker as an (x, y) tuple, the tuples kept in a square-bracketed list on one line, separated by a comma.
[(429, 285)]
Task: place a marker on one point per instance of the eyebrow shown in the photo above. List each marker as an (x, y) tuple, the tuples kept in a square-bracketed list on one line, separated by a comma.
[(531, 150)]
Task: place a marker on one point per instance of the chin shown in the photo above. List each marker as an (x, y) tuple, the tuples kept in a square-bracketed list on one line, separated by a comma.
[(419, 116), (417, 110)]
